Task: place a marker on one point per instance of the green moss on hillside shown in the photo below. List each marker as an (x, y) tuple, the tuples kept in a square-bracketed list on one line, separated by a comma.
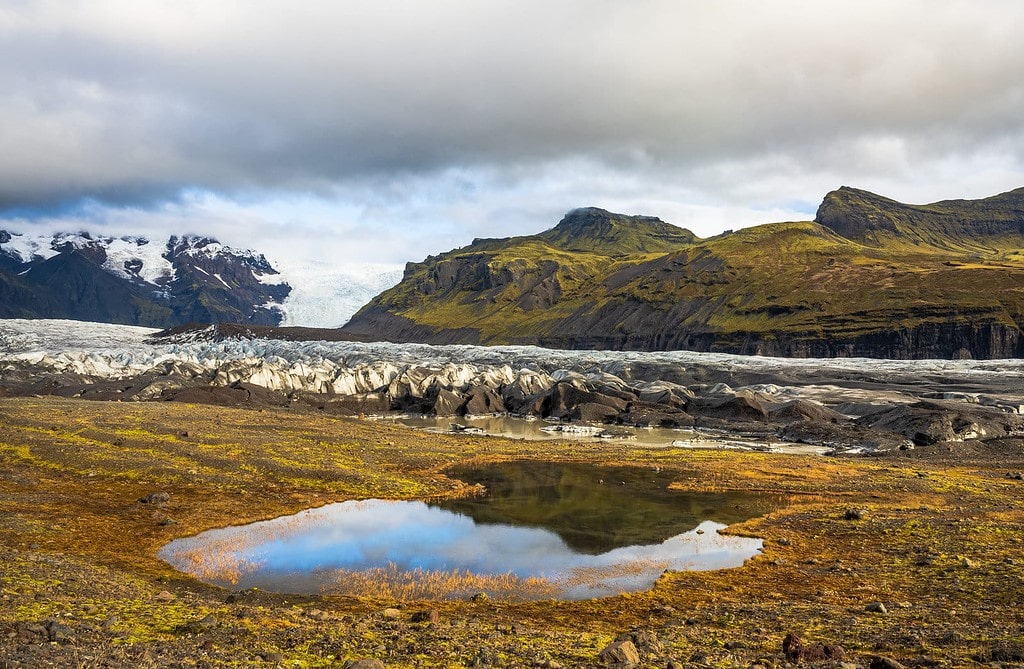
[(948, 270)]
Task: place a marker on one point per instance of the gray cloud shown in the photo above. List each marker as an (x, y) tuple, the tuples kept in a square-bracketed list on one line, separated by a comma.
[(733, 103)]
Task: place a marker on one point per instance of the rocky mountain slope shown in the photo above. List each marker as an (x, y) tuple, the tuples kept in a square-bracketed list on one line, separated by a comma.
[(869, 277), (136, 281)]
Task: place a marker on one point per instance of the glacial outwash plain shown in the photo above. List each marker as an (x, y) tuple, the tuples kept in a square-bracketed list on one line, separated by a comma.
[(862, 371)]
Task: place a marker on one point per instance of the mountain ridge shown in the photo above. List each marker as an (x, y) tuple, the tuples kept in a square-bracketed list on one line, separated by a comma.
[(134, 281), (941, 280)]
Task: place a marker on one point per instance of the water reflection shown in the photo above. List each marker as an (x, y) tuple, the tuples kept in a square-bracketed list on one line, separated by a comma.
[(515, 427), (543, 531)]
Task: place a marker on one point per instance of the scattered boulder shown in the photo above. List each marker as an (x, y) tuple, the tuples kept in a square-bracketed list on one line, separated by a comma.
[(429, 616), (164, 596), (620, 655), (855, 514), (59, 632), (882, 662), (645, 641), (795, 651), (157, 498), (876, 607)]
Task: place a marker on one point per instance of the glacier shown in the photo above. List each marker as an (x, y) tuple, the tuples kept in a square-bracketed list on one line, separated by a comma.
[(117, 352)]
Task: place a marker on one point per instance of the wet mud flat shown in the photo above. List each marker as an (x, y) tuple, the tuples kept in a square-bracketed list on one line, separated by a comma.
[(913, 555)]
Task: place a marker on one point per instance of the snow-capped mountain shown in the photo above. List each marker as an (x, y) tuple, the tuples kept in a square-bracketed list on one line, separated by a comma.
[(161, 283)]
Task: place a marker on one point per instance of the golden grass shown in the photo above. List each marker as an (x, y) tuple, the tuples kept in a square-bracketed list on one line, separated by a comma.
[(73, 531)]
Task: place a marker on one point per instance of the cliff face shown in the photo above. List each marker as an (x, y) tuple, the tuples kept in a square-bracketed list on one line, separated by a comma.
[(951, 224), (871, 277)]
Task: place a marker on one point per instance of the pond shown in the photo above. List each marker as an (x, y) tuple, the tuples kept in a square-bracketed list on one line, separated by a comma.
[(543, 530)]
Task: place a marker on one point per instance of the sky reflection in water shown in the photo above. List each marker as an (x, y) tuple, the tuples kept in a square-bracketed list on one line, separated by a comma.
[(304, 553)]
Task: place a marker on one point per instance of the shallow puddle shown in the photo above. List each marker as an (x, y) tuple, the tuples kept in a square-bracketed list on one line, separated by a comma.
[(515, 427), (543, 530)]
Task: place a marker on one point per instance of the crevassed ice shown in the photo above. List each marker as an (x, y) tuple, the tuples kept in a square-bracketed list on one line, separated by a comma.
[(117, 351)]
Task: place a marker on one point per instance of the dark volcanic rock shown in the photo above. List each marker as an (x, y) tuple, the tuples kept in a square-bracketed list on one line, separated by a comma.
[(449, 403), (744, 405), (482, 400), (929, 422), (566, 401)]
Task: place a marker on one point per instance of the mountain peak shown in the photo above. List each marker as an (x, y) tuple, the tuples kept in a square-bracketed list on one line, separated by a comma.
[(596, 230), (868, 218)]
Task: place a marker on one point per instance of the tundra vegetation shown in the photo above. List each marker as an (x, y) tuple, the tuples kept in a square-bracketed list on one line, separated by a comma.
[(913, 555)]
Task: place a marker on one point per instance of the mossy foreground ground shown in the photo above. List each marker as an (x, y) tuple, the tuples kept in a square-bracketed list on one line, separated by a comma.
[(939, 542)]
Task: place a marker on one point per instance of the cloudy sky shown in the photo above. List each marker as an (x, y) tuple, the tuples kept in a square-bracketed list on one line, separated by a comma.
[(383, 131)]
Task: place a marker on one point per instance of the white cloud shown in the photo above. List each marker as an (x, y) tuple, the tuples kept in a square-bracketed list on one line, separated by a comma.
[(393, 129)]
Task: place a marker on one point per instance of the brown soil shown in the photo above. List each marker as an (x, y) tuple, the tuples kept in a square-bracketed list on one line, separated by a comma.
[(937, 538)]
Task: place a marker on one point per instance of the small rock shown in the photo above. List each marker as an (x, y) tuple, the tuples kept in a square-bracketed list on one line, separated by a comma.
[(392, 614), (58, 632), (876, 607), (620, 655), (484, 658), (645, 641), (164, 596), (480, 597), (795, 650), (110, 622), (855, 514), (166, 522), (90, 609), (968, 563), (732, 645), (884, 663), (156, 498), (273, 657), (364, 663), (430, 616), (207, 622)]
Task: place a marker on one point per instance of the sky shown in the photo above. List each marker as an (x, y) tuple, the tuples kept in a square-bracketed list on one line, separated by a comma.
[(384, 131)]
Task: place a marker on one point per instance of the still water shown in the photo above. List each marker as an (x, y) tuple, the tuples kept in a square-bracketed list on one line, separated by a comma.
[(543, 530), (515, 427)]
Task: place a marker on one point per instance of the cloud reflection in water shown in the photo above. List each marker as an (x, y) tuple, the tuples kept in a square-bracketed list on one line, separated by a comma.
[(300, 553)]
